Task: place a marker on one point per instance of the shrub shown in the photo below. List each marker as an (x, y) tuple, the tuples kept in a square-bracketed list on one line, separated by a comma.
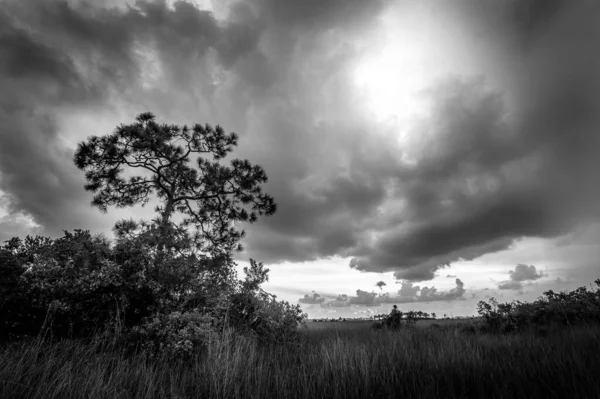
[(66, 285), (579, 306), (392, 321), (180, 334), (255, 311), (77, 302), (77, 286)]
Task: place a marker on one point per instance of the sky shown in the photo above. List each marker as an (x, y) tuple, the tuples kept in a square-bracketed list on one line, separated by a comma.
[(429, 154)]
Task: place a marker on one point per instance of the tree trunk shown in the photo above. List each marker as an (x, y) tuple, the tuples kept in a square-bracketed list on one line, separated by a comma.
[(164, 223)]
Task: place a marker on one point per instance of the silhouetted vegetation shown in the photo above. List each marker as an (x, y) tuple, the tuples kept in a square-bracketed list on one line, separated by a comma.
[(161, 286), (396, 319), (580, 306)]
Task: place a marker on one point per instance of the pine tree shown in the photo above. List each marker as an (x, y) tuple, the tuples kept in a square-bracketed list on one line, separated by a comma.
[(210, 197)]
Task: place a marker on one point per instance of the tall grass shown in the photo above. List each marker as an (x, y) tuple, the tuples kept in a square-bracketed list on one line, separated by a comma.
[(411, 363)]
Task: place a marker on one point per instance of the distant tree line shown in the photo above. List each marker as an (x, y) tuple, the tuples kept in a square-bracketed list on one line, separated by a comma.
[(578, 307)]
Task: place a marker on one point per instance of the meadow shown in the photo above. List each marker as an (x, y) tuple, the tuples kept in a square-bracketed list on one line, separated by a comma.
[(356, 325), (331, 360)]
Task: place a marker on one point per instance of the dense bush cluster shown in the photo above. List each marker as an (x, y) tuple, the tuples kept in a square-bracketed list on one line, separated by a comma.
[(82, 286), (579, 306), (177, 333), (264, 317)]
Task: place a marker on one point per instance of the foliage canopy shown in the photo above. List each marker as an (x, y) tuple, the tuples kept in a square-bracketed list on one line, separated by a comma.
[(210, 197)]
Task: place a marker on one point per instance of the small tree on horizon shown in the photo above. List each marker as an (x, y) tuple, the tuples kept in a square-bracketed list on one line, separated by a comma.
[(211, 197)]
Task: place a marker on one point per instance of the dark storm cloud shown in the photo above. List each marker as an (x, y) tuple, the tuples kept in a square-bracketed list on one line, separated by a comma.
[(487, 167), (495, 172), (327, 175), (521, 274), (35, 168), (320, 14), (58, 58), (103, 54), (532, 16), (463, 200)]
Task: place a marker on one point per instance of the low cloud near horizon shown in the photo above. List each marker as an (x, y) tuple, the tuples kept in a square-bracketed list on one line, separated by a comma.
[(408, 293), (504, 144), (312, 299), (521, 274)]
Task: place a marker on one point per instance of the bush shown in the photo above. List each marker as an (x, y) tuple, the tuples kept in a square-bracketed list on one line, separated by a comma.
[(579, 306), (78, 286), (265, 318), (257, 312), (179, 334), (392, 321), (67, 286)]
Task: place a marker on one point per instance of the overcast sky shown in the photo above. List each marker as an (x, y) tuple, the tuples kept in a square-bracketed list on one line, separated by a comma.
[(447, 150)]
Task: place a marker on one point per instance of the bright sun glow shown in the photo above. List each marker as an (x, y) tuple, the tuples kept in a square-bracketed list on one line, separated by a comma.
[(391, 81), (408, 56)]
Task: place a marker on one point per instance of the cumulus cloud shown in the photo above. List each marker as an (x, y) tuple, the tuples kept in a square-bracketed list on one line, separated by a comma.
[(380, 284), (408, 293), (341, 301), (507, 150), (414, 293), (525, 273), (408, 290), (521, 274), (361, 298), (312, 299), (364, 298), (432, 294)]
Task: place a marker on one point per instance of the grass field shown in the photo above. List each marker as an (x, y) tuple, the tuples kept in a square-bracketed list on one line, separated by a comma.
[(332, 360), (360, 325)]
